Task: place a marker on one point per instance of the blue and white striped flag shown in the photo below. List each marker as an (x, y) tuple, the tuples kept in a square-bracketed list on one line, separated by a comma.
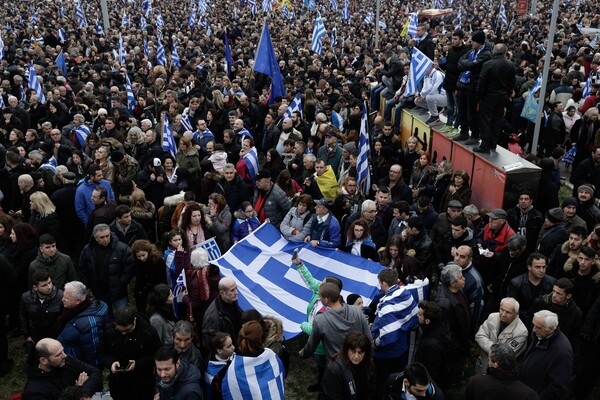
[(1, 48), (369, 18), (62, 35), (34, 17), (143, 23), (192, 18), (35, 84), (287, 14), (1, 102), (61, 9), (333, 37), (251, 161), (99, 28), (168, 141), (268, 282), (122, 59), (23, 95), (131, 103), (125, 20), (267, 6), (346, 11), (175, 56), (178, 292), (537, 84), (382, 25), (419, 65), (260, 377), (334, 5), (503, 19), (187, 124), (146, 7), (146, 49), (252, 4), (160, 22), (337, 120), (593, 42), (295, 105), (202, 7), (37, 39), (318, 33), (363, 175), (82, 133), (587, 89), (81, 20), (412, 25), (458, 20), (161, 59)]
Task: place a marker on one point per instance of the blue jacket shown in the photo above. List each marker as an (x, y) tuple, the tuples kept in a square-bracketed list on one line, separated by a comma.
[(329, 233), (81, 336), (83, 198), (395, 317), (240, 226)]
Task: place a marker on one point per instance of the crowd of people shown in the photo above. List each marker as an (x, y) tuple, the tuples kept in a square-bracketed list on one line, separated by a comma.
[(97, 210)]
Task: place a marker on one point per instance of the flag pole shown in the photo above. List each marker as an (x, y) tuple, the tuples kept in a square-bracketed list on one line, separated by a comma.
[(105, 19), (377, 24), (547, 60)]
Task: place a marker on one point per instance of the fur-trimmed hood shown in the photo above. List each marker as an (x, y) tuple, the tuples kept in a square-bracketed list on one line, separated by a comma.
[(173, 200), (571, 268), (239, 214), (273, 333)]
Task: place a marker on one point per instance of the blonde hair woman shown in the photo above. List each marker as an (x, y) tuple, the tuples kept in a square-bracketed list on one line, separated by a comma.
[(43, 215)]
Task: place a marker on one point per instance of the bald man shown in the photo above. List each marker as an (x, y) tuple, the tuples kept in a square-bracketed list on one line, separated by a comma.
[(224, 314), (50, 371)]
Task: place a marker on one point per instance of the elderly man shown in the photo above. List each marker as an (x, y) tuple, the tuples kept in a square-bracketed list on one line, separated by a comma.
[(501, 381), (399, 190), (106, 265), (496, 233), (368, 211), (501, 327), (27, 187), (76, 131), (325, 229), (224, 314), (474, 286), (270, 201), (232, 187), (82, 323), (547, 367), (51, 371), (287, 132), (183, 335)]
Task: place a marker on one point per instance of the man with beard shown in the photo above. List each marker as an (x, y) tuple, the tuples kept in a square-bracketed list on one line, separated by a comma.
[(178, 379)]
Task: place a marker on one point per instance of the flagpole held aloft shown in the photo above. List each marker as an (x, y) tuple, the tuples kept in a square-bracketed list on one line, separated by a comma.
[(266, 63)]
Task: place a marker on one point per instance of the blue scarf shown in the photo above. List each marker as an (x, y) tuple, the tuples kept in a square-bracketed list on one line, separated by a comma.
[(465, 76)]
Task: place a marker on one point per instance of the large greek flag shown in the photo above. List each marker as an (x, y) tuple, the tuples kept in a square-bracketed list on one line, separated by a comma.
[(268, 282), (254, 378), (419, 65)]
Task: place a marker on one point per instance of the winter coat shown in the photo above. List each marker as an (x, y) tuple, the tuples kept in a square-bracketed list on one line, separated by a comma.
[(147, 275), (464, 64), (339, 382), (587, 287), (49, 385), (81, 335), (235, 192), (242, 226), (328, 233), (119, 265), (570, 317), (454, 314), (366, 251), (135, 232), (533, 224), (83, 198), (190, 161), (436, 351), (550, 238), (519, 289), (37, 318), (514, 335), (60, 268), (498, 385), (220, 227), (222, 317), (163, 327), (185, 385), (276, 204), (298, 223), (48, 224)]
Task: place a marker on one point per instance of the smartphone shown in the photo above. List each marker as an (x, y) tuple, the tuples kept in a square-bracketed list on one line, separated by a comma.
[(124, 368), (295, 254)]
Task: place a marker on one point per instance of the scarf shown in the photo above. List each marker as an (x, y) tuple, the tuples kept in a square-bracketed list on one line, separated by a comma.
[(69, 313), (465, 76)]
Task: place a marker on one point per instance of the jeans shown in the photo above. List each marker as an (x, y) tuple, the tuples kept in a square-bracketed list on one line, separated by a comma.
[(451, 104)]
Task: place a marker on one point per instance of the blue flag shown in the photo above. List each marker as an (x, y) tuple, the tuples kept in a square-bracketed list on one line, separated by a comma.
[(266, 63), (268, 282), (228, 54), (61, 63)]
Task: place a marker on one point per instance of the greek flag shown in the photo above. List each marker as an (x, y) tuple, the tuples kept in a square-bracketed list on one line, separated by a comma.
[(334, 36), (593, 42), (458, 20), (287, 14), (99, 29), (146, 7), (346, 11), (61, 9), (587, 89), (537, 85), (34, 17), (178, 292), (364, 150), (81, 20), (251, 161), (369, 18), (192, 18), (382, 25), (419, 65), (35, 84), (318, 33), (22, 93), (130, 96), (337, 120), (333, 4), (146, 49), (1, 103), (61, 63), (82, 133), (267, 6), (187, 124), (160, 22), (168, 141), (202, 7), (254, 378), (268, 282), (125, 20), (295, 105), (51, 164), (122, 59), (412, 25), (252, 4), (160, 54), (1, 48), (175, 56), (503, 19), (39, 40), (143, 23), (62, 35)]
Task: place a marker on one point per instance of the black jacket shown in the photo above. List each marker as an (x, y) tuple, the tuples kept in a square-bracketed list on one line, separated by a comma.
[(49, 385), (235, 192), (339, 379), (569, 315), (436, 352), (427, 47), (498, 385), (185, 385), (37, 318), (393, 390), (519, 289), (475, 66), (533, 224), (497, 78), (451, 66), (222, 317), (134, 232), (456, 318)]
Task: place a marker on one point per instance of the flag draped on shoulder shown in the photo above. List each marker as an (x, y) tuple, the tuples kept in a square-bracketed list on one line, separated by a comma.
[(256, 378), (266, 63), (419, 65), (268, 282), (363, 175)]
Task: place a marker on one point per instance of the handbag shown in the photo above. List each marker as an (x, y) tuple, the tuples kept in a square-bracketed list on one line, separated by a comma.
[(530, 107)]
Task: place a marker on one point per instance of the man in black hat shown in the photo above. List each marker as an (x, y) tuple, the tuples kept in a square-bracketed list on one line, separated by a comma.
[(325, 230), (553, 233), (470, 66), (331, 151), (126, 167)]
